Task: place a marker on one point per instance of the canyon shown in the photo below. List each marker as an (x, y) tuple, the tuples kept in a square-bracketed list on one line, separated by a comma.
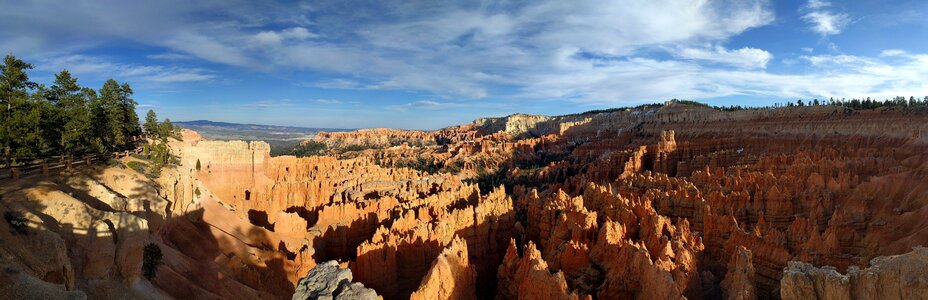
[(664, 201)]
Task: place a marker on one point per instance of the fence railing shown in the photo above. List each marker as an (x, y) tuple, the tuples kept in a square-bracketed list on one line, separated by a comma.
[(57, 164)]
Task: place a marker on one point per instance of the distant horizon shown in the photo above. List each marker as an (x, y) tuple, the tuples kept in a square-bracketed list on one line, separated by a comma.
[(396, 64), (771, 106)]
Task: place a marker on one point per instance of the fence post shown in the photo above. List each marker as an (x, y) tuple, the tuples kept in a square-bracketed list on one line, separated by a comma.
[(44, 168), (67, 164), (14, 172)]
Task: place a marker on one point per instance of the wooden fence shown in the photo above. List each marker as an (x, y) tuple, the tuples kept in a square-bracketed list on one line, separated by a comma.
[(55, 165)]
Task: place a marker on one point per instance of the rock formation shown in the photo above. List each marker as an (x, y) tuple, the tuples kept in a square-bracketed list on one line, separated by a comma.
[(451, 275), (739, 281), (328, 281), (655, 202), (888, 277)]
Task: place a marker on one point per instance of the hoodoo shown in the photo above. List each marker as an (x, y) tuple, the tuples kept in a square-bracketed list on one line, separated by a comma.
[(658, 202)]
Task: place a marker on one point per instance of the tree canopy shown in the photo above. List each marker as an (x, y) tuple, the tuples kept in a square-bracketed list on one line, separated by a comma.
[(63, 119)]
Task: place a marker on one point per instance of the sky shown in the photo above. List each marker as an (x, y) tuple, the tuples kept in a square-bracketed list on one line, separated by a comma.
[(429, 64)]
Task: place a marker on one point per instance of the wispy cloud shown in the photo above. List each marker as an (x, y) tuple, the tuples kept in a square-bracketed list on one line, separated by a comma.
[(83, 65), (746, 57), (274, 38), (484, 48), (334, 83), (824, 21), (583, 51), (169, 56), (265, 104), (327, 101), (893, 52), (424, 104)]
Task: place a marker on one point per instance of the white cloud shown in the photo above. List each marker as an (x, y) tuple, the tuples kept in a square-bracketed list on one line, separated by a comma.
[(648, 80), (893, 52), (272, 38), (424, 104), (211, 49), (823, 21), (746, 57), (411, 46), (83, 65), (169, 56), (267, 104), (586, 51), (826, 23), (808, 49), (816, 4), (334, 83), (327, 101)]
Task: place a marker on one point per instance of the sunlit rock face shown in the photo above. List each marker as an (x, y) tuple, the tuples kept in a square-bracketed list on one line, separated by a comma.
[(657, 202)]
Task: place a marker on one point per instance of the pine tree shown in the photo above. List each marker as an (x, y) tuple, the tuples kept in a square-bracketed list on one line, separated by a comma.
[(152, 127), (76, 131), (99, 120), (14, 85), (46, 120), (131, 129), (167, 129), (113, 135)]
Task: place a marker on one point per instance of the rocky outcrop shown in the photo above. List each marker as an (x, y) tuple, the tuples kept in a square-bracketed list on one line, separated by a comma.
[(394, 260), (328, 281), (16, 284), (653, 202), (739, 281), (888, 277), (528, 277), (451, 276), (374, 138)]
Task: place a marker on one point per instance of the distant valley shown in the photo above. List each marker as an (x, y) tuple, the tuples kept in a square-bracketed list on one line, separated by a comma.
[(281, 138)]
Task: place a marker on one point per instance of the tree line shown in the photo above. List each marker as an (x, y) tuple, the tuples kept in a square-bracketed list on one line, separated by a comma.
[(865, 103), (66, 119)]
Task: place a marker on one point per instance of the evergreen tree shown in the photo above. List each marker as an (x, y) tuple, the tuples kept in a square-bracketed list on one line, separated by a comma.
[(99, 120), (46, 120), (152, 127), (167, 129), (76, 130), (108, 104), (14, 85), (65, 118), (131, 129)]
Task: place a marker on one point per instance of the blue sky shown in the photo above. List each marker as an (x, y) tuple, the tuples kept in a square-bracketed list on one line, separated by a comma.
[(429, 64)]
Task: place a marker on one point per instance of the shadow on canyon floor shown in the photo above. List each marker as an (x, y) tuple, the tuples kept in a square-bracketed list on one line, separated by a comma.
[(58, 230)]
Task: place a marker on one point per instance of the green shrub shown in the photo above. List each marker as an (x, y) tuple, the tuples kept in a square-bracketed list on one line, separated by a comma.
[(309, 148), (112, 162), (137, 166)]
